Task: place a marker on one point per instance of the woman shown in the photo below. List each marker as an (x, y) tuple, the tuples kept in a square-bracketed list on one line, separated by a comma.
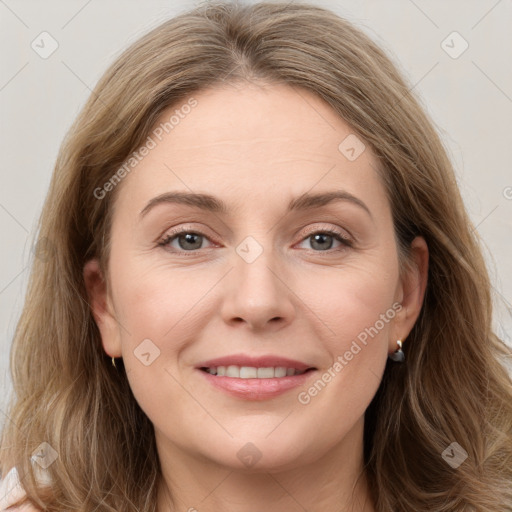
[(188, 344)]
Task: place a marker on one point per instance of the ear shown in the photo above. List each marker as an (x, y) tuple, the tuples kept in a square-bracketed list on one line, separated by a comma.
[(411, 290), (102, 308)]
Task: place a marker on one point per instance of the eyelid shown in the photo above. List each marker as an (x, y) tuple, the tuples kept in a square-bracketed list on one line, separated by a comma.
[(184, 229), (187, 227), (172, 233), (343, 233)]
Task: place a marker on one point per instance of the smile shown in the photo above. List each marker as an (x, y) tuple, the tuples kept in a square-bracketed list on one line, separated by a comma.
[(251, 372)]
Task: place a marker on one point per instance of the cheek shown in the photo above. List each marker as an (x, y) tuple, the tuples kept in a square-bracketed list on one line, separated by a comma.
[(157, 302), (363, 307), (357, 306), (350, 302), (159, 311)]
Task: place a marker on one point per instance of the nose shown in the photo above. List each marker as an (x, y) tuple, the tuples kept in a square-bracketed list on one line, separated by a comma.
[(258, 294)]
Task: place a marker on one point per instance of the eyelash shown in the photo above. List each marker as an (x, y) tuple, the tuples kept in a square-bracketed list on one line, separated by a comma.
[(173, 234)]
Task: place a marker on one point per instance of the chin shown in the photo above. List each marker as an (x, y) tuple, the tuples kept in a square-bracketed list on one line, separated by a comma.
[(273, 453)]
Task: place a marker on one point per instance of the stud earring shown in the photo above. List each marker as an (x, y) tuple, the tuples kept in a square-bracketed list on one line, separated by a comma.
[(398, 355)]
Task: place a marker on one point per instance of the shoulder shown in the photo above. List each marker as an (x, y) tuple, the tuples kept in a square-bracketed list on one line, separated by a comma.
[(12, 491)]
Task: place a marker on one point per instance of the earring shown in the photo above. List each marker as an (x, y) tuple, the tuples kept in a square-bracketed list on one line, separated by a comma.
[(398, 355), (114, 363)]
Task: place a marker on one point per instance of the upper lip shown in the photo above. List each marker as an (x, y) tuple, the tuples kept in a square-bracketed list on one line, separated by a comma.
[(268, 361)]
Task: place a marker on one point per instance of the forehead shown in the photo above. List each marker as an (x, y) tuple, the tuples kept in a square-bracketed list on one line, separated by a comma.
[(251, 143), (276, 120)]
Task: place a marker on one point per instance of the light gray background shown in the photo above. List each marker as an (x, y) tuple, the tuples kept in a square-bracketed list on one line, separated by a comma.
[(469, 99)]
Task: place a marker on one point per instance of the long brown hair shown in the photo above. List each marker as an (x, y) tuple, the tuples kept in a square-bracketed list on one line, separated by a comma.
[(453, 387)]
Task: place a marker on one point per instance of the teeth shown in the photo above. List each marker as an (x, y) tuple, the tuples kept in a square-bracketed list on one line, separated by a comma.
[(246, 372), (232, 371), (280, 372), (266, 373), (250, 372)]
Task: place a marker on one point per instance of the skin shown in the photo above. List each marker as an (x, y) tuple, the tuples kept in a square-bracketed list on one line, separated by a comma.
[(256, 147)]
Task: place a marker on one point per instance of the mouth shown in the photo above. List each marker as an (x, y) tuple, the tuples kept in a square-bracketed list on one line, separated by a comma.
[(252, 372), (251, 378)]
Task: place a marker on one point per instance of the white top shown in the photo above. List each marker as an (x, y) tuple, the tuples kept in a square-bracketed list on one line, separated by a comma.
[(12, 491)]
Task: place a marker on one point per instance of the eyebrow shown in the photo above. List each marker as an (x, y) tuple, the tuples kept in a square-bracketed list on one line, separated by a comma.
[(213, 204)]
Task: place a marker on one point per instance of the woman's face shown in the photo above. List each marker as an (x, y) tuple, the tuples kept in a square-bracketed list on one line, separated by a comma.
[(278, 281)]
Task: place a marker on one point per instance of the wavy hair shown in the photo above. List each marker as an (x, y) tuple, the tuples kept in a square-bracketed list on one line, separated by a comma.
[(454, 386)]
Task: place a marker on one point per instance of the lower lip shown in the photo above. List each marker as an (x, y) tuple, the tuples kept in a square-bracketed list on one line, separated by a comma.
[(257, 389)]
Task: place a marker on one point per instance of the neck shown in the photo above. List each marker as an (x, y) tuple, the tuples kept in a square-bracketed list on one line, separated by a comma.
[(335, 482)]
